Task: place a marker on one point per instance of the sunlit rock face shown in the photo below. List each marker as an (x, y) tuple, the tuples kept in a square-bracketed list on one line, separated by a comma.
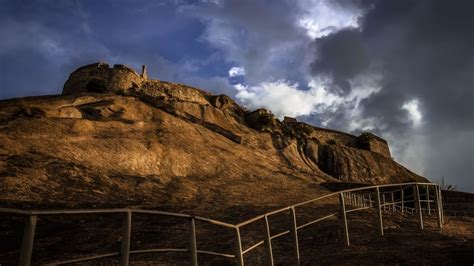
[(101, 78), (117, 137)]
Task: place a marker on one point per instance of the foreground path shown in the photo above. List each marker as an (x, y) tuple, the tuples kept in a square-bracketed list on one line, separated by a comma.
[(61, 237), (323, 243)]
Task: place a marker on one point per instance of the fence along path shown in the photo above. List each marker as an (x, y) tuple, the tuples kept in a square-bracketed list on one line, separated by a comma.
[(391, 197)]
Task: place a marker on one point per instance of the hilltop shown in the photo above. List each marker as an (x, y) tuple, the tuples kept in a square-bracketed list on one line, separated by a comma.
[(116, 137)]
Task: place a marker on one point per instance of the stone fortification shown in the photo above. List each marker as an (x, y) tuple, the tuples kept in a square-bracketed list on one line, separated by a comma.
[(374, 143), (101, 78), (120, 79)]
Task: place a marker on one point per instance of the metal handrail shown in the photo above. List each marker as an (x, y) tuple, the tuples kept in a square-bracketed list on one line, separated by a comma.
[(317, 220), (27, 243), (406, 185), (106, 255)]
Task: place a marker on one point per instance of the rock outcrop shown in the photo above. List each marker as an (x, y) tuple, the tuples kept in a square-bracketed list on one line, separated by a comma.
[(99, 77), (118, 136)]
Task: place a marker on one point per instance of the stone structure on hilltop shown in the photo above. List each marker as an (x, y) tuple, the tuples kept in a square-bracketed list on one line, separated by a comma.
[(99, 77), (120, 79), (374, 143), (132, 139)]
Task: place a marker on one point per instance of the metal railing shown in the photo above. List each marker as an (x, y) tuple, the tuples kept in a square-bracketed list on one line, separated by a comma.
[(363, 198)]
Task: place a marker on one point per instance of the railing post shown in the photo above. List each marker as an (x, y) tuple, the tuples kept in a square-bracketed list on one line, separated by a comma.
[(344, 218), (239, 256), (402, 199), (379, 209), (393, 201), (192, 242), (428, 199), (370, 200), (294, 234), (268, 242), (418, 206), (441, 204), (27, 242), (383, 202), (126, 233), (438, 208)]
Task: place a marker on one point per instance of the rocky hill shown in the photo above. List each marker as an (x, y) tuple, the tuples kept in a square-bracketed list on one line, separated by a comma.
[(116, 137)]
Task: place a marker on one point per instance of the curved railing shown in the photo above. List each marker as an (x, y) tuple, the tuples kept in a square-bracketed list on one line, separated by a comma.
[(362, 198)]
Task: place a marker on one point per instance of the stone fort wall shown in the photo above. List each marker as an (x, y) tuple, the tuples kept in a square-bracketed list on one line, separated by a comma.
[(120, 79), (371, 142), (99, 77), (366, 141)]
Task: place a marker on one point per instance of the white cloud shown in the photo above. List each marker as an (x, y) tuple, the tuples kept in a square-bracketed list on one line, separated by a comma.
[(363, 86), (412, 107), (323, 17), (236, 71), (286, 99)]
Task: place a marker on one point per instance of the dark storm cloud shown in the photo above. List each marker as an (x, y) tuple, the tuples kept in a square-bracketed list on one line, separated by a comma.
[(424, 51), (341, 55), (261, 36), (428, 56)]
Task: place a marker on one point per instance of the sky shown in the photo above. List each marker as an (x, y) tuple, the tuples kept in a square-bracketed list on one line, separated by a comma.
[(402, 69)]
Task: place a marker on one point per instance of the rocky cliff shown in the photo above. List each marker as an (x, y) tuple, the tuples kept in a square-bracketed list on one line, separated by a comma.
[(117, 137)]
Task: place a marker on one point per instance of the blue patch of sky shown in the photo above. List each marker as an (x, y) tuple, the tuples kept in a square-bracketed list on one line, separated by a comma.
[(145, 31), (111, 31)]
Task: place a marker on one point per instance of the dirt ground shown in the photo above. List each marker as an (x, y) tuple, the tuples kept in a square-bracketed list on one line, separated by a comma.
[(59, 238)]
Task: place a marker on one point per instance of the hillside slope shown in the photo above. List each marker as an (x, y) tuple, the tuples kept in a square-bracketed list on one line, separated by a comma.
[(118, 138)]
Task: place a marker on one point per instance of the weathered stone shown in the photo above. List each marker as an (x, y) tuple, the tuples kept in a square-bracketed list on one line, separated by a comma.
[(221, 101), (262, 119), (373, 143), (144, 75), (100, 78), (69, 112), (361, 166), (289, 120)]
